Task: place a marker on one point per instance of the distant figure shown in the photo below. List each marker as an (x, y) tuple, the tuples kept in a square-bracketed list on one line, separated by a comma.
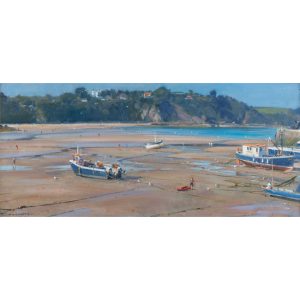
[(192, 182), (17, 147), (41, 131), (14, 162), (269, 186)]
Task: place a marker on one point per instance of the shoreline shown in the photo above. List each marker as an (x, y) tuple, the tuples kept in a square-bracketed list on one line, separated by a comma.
[(29, 126)]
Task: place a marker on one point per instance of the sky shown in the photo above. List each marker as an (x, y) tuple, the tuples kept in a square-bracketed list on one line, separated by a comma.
[(255, 94)]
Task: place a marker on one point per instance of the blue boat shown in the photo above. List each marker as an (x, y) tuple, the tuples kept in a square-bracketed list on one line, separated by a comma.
[(86, 168), (258, 156), (284, 193), (286, 151), (277, 150)]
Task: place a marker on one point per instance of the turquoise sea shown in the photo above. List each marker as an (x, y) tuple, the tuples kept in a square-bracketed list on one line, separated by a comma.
[(216, 132), (160, 131)]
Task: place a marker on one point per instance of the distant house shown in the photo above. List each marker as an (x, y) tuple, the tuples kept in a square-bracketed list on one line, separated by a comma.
[(147, 94), (83, 100), (188, 97), (95, 93), (122, 96)]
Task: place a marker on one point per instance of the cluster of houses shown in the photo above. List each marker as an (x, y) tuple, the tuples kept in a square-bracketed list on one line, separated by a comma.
[(123, 96), (97, 94)]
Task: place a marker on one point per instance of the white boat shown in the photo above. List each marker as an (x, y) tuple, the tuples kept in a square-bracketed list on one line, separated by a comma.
[(154, 145)]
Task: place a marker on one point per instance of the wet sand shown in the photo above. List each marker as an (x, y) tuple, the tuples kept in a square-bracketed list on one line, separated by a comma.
[(43, 183)]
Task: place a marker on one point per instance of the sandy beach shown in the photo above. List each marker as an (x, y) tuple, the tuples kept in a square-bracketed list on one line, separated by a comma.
[(43, 183)]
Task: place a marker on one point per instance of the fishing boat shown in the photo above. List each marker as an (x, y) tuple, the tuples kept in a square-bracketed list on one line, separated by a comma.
[(259, 156), (281, 149), (82, 167), (157, 144), (286, 151)]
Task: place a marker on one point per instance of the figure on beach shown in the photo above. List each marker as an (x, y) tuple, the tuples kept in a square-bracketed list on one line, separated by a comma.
[(269, 186), (14, 162), (192, 183), (17, 147)]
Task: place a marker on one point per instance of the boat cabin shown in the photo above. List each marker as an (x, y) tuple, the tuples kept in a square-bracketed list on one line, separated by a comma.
[(254, 150)]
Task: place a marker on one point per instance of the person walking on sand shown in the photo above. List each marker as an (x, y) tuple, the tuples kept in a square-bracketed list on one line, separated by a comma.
[(14, 162), (192, 183), (17, 147)]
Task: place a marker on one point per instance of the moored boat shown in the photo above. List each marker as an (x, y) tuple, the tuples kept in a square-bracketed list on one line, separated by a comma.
[(82, 167), (154, 145), (258, 156), (286, 151), (280, 149), (284, 193), (292, 193)]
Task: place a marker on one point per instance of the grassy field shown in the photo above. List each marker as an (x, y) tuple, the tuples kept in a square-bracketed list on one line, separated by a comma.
[(272, 110)]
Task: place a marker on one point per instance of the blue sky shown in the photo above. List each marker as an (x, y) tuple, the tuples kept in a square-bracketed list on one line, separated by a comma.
[(255, 94)]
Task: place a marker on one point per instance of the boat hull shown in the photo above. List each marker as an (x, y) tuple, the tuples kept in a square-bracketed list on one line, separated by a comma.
[(285, 194), (282, 163), (154, 146), (99, 173), (183, 188)]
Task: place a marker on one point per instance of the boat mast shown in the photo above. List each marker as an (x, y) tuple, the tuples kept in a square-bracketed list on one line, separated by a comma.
[(272, 174), (281, 141)]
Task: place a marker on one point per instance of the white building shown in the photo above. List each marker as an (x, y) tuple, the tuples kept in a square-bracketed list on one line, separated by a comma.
[(95, 93)]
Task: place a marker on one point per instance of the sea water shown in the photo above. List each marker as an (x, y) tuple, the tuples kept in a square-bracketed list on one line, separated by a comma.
[(215, 132)]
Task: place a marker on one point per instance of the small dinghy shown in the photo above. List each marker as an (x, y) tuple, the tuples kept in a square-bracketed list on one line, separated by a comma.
[(279, 192), (154, 145), (283, 193), (183, 188)]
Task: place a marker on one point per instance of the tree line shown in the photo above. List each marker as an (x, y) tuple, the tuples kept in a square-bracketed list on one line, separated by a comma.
[(126, 106)]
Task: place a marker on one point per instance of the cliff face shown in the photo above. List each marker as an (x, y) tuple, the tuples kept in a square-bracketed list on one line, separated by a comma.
[(200, 110), (151, 114)]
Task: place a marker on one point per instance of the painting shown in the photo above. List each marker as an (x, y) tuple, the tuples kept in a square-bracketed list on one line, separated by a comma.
[(153, 149)]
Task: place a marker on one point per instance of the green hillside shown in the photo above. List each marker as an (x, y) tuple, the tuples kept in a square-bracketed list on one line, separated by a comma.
[(161, 105), (272, 110)]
